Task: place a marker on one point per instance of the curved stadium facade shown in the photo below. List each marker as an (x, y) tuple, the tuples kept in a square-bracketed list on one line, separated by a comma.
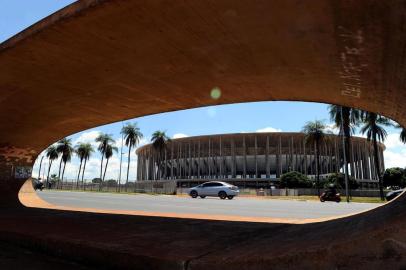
[(260, 156)]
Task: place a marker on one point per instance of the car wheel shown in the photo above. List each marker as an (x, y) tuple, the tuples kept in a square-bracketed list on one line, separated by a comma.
[(193, 194), (222, 195), (230, 197), (202, 197), (321, 199)]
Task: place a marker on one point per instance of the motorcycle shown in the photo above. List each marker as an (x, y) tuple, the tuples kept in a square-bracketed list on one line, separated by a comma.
[(330, 196), (38, 185)]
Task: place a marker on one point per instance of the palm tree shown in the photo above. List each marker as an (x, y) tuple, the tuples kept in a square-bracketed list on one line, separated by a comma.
[(315, 134), (159, 140), (87, 152), (346, 119), (132, 136), (103, 140), (65, 148), (83, 151), (52, 154), (108, 154), (402, 136), (374, 129)]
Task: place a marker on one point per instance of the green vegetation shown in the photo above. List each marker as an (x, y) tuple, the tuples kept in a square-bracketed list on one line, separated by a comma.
[(159, 140), (83, 151), (64, 147), (338, 179), (315, 136), (394, 177), (52, 155), (132, 136), (295, 180), (374, 128)]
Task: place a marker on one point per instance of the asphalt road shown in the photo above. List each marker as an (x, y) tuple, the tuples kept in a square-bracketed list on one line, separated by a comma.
[(239, 206)]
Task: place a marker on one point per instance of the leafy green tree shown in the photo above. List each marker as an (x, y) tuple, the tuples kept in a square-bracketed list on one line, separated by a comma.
[(96, 180), (374, 128), (52, 154), (315, 135), (65, 148), (111, 183), (83, 151), (394, 177), (104, 140), (159, 141), (132, 136), (295, 179), (338, 179)]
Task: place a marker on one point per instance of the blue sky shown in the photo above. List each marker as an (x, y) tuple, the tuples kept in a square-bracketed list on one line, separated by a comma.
[(17, 15)]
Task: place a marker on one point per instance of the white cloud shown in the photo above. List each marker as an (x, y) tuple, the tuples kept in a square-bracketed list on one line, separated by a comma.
[(332, 128), (392, 141), (268, 129), (179, 135), (87, 137), (395, 159)]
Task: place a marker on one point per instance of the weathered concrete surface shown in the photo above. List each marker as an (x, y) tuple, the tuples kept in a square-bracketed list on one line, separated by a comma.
[(97, 62)]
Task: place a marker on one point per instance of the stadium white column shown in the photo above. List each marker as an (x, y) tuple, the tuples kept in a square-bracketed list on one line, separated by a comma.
[(233, 158), (267, 161), (305, 157), (245, 157), (256, 155), (198, 160)]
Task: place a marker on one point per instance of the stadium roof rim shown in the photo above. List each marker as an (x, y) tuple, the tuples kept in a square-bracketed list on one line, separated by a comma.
[(248, 134)]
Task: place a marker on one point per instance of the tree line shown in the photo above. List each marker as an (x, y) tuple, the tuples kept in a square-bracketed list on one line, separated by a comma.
[(64, 150), (346, 119)]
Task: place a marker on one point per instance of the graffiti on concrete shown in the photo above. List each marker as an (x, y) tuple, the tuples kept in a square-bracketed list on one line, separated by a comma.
[(350, 56)]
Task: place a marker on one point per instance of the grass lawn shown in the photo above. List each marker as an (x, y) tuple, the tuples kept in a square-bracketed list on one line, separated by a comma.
[(315, 198)]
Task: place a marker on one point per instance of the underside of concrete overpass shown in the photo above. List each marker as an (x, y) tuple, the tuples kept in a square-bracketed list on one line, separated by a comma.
[(100, 61)]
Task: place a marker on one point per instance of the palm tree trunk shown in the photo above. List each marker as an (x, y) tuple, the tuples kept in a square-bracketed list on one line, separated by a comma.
[(128, 166), (49, 169), (80, 167), (40, 165), (378, 170), (63, 172), (83, 173), (317, 169), (59, 173), (101, 166), (105, 169)]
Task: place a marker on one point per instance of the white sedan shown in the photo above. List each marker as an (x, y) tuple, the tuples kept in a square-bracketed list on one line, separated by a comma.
[(214, 189)]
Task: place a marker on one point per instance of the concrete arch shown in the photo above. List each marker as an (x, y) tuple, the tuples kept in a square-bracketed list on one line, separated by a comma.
[(96, 62)]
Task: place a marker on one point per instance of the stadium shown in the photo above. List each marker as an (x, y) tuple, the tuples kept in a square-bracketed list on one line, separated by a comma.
[(254, 156)]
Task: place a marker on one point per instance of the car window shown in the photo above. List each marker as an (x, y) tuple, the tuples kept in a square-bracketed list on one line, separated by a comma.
[(217, 184), (212, 184)]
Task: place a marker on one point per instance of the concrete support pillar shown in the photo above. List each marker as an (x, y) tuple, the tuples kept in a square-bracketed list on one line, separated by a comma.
[(267, 159), (198, 160), (256, 156), (208, 160), (279, 158), (306, 171), (233, 166), (190, 162), (244, 146)]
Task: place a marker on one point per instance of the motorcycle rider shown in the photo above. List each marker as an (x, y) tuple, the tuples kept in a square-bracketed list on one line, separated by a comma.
[(331, 191)]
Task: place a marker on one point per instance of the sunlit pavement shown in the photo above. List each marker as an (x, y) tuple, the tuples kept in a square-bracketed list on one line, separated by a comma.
[(240, 206)]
